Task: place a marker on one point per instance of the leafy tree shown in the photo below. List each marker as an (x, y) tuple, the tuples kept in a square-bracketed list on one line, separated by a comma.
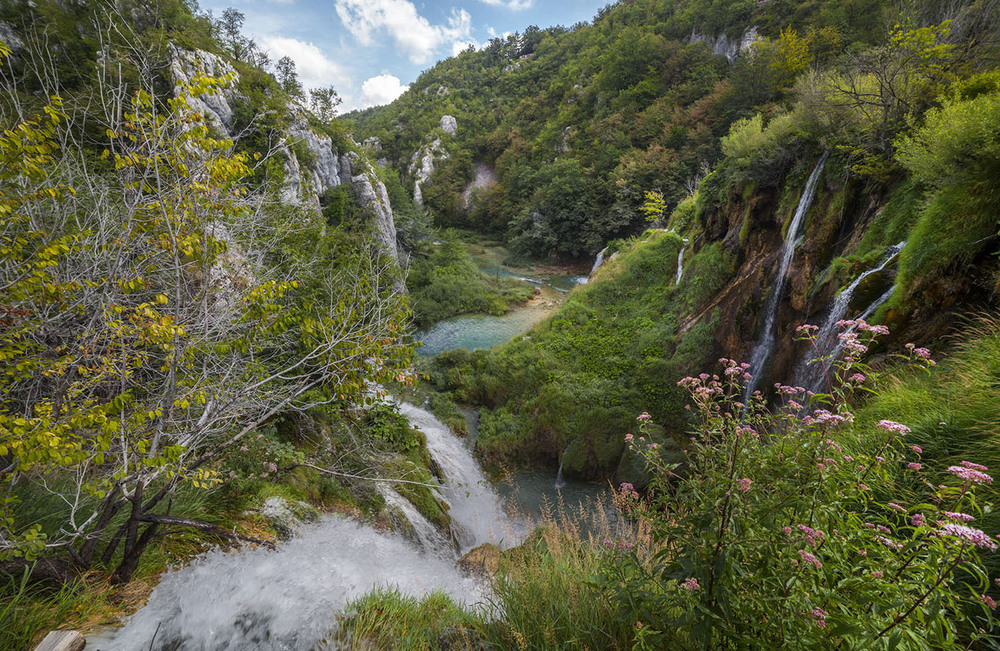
[(325, 102), (142, 335), (288, 77)]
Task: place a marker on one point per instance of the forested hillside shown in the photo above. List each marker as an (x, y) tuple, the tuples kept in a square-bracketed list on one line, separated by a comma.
[(783, 359)]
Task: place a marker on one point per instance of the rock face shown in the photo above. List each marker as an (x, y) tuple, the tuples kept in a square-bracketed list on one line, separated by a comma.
[(486, 177), (449, 124), (371, 194), (723, 46), (306, 186), (185, 65), (422, 166), (305, 180)]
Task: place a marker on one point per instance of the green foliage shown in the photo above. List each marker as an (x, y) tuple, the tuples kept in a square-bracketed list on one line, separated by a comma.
[(777, 536), (447, 283), (614, 345), (27, 609), (388, 619), (391, 429)]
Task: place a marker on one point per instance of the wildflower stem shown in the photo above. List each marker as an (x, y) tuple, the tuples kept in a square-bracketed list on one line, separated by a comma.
[(901, 618)]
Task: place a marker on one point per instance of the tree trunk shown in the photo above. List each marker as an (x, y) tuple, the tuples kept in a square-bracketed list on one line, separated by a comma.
[(130, 556)]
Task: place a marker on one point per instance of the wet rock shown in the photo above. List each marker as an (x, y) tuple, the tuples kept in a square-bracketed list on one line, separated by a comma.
[(285, 517), (482, 561)]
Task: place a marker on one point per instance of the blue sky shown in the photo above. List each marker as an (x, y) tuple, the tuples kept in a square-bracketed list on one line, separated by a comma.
[(371, 50)]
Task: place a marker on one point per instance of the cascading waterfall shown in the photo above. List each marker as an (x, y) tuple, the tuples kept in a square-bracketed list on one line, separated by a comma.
[(430, 538), (765, 345), (680, 264), (598, 261), (810, 374), (560, 482), (283, 599), (286, 599), (477, 514)]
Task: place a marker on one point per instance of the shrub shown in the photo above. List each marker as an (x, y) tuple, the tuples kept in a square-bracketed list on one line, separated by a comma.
[(778, 537)]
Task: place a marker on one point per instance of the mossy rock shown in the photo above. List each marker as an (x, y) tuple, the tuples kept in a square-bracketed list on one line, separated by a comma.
[(482, 561)]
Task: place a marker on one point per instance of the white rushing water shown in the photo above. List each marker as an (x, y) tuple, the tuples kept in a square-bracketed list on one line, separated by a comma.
[(429, 536), (560, 481), (476, 511), (598, 261), (765, 345), (287, 599), (284, 599), (809, 374), (680, 266)]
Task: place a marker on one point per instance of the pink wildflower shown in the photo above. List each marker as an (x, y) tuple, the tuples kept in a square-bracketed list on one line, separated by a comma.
[(857, 377), (970, 474), (863, 552), (629, 437), (812, 535), (743, 484), (988, 600), (969, 534), (961, 517), (273, 467), (786, 530), (974, 466), (643, 417), (820, 616), (809, 558), (918, 520), (893, 426), (889, 543), (863, 487), (691, 584), (626, 487), (914, 465), (896, 506), (922, 353), (917, 449), (877, 574)]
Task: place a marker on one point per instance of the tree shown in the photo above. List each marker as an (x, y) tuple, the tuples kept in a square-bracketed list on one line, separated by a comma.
[(325, 102), (143, 330), (231, 30), (287, 77)]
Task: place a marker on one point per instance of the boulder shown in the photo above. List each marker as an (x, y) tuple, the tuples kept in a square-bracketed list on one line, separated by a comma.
[(482, 561)]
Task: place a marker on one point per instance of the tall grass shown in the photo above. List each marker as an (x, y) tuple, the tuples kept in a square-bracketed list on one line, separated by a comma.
[(28, 609), (544, 594)]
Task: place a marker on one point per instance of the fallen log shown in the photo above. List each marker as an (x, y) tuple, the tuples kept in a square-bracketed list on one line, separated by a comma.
[(207, 527)]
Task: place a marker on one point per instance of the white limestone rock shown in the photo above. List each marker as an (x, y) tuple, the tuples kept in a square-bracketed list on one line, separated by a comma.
[(449, 124), (185, 65)]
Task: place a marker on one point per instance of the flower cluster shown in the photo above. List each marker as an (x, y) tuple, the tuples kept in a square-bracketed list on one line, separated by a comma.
[(971, 473), (969, 534)]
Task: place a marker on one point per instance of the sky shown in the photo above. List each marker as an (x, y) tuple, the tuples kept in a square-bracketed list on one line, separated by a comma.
[(371, 50)]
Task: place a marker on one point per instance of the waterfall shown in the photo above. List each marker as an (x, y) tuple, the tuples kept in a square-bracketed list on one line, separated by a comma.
[(598, 261), (680, 265), (765, 345), (809, 374), (284, 599), (560, 482), (477, 514), (430, 538)]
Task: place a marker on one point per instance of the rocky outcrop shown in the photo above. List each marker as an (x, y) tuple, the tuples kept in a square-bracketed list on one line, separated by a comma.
[(449, 124), (422, 166), (722, 45), (486, 177), (305, 184), (185, 65), (370, 193)]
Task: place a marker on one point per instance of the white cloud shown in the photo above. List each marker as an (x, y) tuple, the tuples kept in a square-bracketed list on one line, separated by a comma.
[(381, 90), (461, 46), (412, 34), (514, 5), (315, 69)]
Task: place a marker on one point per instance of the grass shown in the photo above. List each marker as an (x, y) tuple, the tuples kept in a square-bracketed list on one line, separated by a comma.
[(543, 596), (29, 609), (952, 411)]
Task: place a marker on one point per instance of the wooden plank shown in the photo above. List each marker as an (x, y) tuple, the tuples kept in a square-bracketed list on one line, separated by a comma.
[(62, 641)]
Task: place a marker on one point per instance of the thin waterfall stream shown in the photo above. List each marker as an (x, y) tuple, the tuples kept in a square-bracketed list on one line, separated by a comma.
[(765, 345), (809, 373)]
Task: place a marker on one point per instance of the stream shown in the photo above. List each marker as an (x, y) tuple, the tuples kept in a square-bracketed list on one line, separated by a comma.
[(288, 598)]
